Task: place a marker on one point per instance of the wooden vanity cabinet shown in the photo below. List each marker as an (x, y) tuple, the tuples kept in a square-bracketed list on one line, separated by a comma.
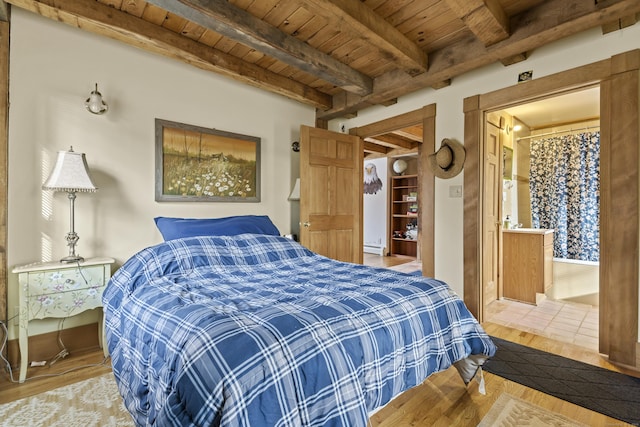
[(527, 263)]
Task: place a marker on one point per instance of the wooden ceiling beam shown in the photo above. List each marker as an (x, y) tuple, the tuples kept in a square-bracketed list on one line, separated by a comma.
[(4, 11), (360, 21), (413, 133), (514, 59), (485, 18), (370, 147), (107, 21), (442, 84), (619, 24), (529, 30), (393, 141), (237, 24)]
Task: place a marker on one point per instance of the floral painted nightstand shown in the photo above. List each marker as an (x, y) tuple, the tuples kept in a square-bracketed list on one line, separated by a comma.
[(56, 289)]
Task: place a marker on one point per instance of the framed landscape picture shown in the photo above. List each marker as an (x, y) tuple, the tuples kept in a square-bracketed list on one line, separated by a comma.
[(197, 164)]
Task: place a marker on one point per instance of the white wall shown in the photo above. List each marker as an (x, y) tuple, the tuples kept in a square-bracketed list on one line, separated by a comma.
[(53, 69), (585, 48), (375, 209)]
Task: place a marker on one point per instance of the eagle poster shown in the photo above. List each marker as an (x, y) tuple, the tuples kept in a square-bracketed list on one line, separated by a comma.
[(372, 183)]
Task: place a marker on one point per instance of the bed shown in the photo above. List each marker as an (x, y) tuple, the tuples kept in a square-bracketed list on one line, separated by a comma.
[(256, 330)]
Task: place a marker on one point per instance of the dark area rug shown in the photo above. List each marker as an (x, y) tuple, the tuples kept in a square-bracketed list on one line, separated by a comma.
[(607, 392)]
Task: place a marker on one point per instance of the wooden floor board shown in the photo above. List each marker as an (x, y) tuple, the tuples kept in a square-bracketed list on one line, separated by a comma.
[(73, 368)]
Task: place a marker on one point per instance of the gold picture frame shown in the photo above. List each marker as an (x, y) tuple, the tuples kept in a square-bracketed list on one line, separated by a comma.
[(197, 164)]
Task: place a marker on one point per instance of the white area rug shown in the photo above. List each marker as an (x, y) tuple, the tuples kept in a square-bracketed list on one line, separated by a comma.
[(90, 403), (510, 411)]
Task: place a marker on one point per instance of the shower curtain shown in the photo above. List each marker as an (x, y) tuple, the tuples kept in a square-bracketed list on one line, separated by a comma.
[(564, 181)]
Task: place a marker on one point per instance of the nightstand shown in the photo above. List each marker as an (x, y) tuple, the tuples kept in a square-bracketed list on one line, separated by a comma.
[(56, 289)]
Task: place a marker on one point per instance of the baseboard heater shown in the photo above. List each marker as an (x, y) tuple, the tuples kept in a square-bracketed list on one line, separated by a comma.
[(374, 248)]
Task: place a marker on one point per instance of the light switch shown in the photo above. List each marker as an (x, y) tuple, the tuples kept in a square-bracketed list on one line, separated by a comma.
[(455, 191)]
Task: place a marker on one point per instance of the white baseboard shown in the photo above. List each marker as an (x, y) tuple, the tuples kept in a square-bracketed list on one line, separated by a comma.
[(374, 249)]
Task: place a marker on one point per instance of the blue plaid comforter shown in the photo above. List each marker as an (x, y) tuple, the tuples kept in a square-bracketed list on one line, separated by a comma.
[(256, 330)]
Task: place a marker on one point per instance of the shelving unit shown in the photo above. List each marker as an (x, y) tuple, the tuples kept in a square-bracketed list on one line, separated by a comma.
[(404, 203)]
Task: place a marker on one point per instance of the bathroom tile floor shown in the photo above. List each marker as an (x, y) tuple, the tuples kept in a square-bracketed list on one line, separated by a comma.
[(563, 321), (560, 320)]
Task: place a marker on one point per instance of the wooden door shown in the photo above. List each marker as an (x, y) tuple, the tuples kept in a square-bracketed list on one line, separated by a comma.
[(491, 259), (331, 191)]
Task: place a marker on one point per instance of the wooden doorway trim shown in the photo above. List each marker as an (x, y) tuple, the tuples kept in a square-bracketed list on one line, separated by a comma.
[(4, 163), (426, 116), (619, 81)]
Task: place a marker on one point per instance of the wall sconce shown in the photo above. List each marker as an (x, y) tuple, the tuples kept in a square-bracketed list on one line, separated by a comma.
[(508, 129), (95, 104)]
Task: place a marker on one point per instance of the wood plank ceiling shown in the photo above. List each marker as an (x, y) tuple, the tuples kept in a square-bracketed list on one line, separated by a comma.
[(340, 56)]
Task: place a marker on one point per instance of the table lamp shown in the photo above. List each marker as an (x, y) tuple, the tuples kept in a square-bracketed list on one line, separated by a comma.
[(70, 174)]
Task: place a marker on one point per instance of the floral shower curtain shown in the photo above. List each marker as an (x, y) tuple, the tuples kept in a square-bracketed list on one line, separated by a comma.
[(564, 181)]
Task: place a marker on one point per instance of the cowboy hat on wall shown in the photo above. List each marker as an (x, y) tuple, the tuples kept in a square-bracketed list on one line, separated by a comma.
[(448, 161)]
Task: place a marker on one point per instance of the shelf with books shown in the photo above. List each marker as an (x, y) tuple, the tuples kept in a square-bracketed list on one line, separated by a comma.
[(404, 215)]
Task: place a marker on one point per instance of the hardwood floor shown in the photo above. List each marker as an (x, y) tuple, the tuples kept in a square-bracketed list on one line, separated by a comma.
[(76, 367), (442, 400), (373, 260)]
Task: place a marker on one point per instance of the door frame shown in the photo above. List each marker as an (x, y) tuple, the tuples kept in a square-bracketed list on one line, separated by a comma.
[(494, 123), (5, 31), (619, 81), (426, 179)]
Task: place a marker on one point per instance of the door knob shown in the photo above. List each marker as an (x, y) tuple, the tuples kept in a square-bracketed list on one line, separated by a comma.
[(306, 224)]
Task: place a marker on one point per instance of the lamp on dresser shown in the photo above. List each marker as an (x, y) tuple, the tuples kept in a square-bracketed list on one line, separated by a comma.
[(295, 193), (71, 175)]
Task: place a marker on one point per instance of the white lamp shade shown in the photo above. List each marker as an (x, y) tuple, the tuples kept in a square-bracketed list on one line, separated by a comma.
[(295, 193), (70, 173)]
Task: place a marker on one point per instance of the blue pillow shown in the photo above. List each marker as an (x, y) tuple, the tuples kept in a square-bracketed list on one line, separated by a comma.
[(176, 228)]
